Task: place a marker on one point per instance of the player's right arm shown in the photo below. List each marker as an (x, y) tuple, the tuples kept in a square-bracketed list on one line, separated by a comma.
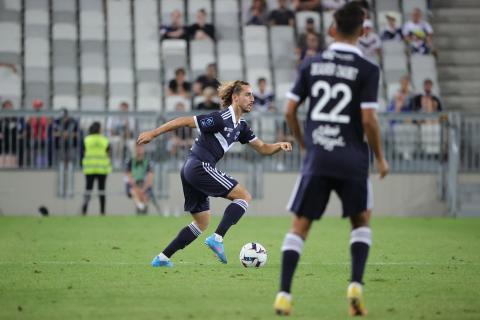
[(293, 123), (180, 122)]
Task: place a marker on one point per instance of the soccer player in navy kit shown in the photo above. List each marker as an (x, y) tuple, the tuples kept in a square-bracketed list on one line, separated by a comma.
[(218, 131), (342, 87)]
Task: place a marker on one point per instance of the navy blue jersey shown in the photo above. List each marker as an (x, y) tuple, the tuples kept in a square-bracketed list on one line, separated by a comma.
[(339, 82), (219, 130)]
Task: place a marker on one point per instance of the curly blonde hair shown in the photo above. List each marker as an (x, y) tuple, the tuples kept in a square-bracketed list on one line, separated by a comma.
[(228, 89)]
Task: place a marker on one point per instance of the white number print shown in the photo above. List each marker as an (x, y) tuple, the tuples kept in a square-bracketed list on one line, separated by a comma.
[(330, 92)]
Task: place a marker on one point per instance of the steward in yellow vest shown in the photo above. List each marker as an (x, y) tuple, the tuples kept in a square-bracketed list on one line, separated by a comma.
[(96, 165)]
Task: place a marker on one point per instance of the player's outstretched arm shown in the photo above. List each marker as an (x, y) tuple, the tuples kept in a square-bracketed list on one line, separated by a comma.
[(180, 122), (372, 131), (268, 149), (293, 123)]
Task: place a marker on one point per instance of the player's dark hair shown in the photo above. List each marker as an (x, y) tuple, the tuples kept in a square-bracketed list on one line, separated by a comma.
[(228, 89), (94, 128), (349, 19)]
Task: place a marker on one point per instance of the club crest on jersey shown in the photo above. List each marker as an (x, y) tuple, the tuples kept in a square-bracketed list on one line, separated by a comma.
[(208, 122), (328, 137)]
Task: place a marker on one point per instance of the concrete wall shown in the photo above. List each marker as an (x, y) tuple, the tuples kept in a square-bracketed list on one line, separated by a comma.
[(21, 193)]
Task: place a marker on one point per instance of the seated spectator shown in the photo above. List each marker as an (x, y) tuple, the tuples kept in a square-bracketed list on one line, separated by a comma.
[(310, 28), (392, 31), (12, 130), (308, 5), (139, 179), (207, 80), (208, 103), (257, 13), (282, 16), (426, 102), (179, 86), (311, 49), (402, 101), (418, 33), (175, 30), (120, 131), (264, 99), (370, 43), (201, 30)]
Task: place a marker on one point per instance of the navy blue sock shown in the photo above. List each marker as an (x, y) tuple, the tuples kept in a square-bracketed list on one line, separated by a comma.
[(360, 241), (233, 213), (291, 250), (186, 236)]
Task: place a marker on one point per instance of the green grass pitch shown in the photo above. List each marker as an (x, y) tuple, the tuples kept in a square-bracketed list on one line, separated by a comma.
[(99, 268)]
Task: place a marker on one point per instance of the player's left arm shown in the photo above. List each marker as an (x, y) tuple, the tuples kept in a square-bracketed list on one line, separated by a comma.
[(268, 149)]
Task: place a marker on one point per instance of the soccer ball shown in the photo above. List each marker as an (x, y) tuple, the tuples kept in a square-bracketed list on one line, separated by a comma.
[(253, 255)]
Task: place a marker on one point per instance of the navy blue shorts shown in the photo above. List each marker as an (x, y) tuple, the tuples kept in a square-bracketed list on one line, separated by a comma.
[(201, 180), (311, 193)]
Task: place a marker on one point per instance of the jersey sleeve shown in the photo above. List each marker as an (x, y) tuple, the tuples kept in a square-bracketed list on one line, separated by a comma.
[(246, 135), (299, 91), (209, 123), (369, 92)]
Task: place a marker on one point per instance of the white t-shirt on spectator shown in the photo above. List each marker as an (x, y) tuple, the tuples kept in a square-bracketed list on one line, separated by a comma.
[(421, 29), (369, 45)]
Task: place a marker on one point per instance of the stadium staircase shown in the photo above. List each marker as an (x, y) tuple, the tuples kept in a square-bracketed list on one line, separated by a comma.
[(456, 27)]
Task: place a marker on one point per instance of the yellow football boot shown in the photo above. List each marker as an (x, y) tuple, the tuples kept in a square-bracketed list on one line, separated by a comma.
[(283, 304), (355, 299)]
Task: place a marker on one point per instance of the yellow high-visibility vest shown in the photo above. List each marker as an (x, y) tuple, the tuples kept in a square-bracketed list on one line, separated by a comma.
[(96, 159)]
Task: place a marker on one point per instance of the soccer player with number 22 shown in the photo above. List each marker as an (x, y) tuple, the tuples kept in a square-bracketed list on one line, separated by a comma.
[(341, 126), (218, 131)]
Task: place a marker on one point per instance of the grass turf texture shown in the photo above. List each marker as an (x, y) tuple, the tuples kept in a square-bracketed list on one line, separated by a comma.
[(99, 268)]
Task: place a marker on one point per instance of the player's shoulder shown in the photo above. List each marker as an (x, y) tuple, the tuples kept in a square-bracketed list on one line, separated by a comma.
[(366, 65)]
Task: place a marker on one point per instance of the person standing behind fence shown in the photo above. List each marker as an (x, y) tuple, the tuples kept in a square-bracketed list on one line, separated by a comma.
[(96, 165), (120, 129)]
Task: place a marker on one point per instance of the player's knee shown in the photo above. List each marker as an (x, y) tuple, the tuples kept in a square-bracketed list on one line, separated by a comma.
[(247, 196), (360, 220)]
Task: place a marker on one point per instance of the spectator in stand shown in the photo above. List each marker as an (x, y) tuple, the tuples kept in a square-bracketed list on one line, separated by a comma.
[(264, 99), (311, 49), (418, 33), (11, 138), (65, 136), (120, 130), (209, 100), (427, 102), (282, 16), (392, 31), (37, 137), (309, 28), (402, 100), (308, 5), (178, 86), (370, 43), (207, 80), (175, 30), (257, 13), (139, 180), (201, 30)]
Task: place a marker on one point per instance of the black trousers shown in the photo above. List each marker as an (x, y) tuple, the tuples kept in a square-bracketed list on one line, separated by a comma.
[(89, 182)]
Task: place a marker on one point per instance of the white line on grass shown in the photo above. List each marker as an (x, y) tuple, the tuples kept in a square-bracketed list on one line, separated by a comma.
[(120, 263)]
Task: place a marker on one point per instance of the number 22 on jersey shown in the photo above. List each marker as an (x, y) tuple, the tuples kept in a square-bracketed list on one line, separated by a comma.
[(330, 92)]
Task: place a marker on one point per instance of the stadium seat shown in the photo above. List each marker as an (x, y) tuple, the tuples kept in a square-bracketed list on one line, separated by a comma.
[(387, 5), (230, 61), (194, 6), (63, 5), (255, 73), (405, 138), (226, 19), (393, 47), (423, 67), (282, 44), (201, 55), (174, 53), (430, 138), (11, 85), (255, 33), (395, 66), (94, 103), (65, 101)]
